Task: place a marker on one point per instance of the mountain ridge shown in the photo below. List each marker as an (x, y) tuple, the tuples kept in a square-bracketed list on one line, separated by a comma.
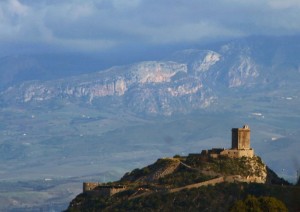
[(185, 81), (163, 84)]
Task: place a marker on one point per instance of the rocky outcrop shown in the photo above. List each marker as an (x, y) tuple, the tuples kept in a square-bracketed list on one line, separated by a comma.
[(245, 169), (243, 73)]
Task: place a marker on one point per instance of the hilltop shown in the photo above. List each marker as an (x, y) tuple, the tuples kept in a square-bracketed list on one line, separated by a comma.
[(193, 182)]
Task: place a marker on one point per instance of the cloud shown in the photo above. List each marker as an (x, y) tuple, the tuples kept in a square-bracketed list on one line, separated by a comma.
[(14, 20), (287, 4), (104, 24)]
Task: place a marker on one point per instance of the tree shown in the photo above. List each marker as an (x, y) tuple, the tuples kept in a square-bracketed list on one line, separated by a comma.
[(239, 206), (298, 182), (272, 204), (252, 203)]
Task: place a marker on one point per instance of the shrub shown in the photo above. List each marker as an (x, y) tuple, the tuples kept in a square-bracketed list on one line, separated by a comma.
[(252, 203)]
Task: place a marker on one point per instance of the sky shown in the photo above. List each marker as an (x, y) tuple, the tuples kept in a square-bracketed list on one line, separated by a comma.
[(106, 25)]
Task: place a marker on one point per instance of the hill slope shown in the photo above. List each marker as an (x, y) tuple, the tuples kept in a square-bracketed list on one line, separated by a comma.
[(190, 183)]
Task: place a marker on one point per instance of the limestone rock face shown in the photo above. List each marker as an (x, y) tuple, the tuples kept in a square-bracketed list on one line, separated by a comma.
[(243, 73), (257, 171), (187, 81), (244, 169), (149, 87)]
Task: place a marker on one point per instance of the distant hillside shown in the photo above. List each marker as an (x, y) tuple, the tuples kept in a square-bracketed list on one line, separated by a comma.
[(189, 183)]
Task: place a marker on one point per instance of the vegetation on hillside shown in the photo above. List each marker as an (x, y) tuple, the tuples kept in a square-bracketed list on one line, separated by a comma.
[(221, 197), (137, 174), (195, 169), (182, 177), (147, 193), (259, 204)]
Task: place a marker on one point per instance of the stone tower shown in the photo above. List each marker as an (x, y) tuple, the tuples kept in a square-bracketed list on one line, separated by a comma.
[(241, 138)]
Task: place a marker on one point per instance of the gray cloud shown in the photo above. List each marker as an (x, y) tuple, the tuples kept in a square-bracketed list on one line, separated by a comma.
[(98, 25)]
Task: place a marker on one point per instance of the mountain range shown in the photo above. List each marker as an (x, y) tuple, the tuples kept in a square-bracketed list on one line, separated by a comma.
[(185, 81)]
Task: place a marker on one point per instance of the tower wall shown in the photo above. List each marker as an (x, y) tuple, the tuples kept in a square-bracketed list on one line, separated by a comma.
[(234, 138), (241, 138)]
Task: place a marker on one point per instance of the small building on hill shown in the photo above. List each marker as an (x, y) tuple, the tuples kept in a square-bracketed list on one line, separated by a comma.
[(240, 145)]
